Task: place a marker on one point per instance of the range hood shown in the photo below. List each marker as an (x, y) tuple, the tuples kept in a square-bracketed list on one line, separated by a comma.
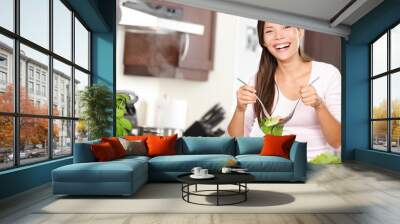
[(150, 16)]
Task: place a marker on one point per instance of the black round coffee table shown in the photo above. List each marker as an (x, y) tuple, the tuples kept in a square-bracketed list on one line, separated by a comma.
[(238, 179)]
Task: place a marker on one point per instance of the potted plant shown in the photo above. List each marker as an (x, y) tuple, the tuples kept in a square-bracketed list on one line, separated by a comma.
[(96, 103), (123, 125)]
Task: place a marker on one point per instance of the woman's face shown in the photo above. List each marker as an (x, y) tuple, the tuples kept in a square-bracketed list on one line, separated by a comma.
[(282, 41)]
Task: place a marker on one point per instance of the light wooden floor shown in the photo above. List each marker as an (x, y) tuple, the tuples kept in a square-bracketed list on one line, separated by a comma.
[(352, 181)]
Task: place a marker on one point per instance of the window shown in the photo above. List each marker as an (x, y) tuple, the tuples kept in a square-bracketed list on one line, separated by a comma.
[(62, 74), (3, 72), (62, 31), (30, 72), (33, 148), (41, 83), (7, 14), (3, 78), (38, 89), (6, 72), (30, 87), (6, 142), (385, 95), (44, 91), (62, 140), (81, 81), (34, 21), (81, 45), (37, 74), (3, 61)]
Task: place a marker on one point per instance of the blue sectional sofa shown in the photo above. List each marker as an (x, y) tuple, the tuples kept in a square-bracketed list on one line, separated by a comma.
[(125, 176)]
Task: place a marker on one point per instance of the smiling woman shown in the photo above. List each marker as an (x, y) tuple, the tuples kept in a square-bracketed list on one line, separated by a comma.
[(286, 81)]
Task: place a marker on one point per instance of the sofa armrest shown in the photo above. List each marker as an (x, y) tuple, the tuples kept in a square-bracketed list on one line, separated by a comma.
[(298, 155), (83, 152)]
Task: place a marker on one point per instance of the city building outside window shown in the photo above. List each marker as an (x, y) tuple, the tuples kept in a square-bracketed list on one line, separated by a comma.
[(57, 127)]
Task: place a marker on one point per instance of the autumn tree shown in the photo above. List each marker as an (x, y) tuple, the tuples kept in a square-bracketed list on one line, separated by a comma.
[(380, 127), (33, 131)]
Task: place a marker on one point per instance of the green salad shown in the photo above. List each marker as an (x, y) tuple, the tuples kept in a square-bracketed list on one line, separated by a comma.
[(326, 158), (271, 126)]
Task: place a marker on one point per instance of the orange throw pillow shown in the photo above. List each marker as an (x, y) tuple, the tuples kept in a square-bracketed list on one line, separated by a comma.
[(135, 138), (161, 145), (103, 152), (277, 145), (142, 138), (116, 145)]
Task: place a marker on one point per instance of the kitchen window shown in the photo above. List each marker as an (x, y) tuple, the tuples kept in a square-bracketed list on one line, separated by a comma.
[(385, 94), (45, 44)]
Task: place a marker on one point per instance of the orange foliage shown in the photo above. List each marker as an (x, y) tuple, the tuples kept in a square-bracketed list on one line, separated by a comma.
[(33, 130)]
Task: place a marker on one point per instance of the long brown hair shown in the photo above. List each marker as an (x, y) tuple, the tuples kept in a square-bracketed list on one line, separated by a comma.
[(265, 80)]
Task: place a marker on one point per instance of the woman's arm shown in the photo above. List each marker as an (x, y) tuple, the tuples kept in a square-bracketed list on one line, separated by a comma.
[(327, 111), (331, 128), (245, 95), (236, 126)]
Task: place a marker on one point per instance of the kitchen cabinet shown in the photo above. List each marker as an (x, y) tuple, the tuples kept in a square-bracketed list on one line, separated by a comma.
[(323, 47), (173, 54), (149, 54), (200, 53)]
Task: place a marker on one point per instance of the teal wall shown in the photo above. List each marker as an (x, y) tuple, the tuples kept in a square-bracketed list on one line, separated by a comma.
[(24, 178), (99, 16), (356, 86)]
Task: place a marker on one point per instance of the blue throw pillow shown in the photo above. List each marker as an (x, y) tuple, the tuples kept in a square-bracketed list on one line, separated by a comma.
[(249, 145), (208, 145), (83, 153)]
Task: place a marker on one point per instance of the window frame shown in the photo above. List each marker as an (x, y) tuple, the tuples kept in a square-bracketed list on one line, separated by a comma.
[(388, 74), (16, 114)]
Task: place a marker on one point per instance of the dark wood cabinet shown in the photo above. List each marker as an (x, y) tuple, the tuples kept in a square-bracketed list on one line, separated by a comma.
[(200, 56), (162, 55), (151, 54), (323, 47)]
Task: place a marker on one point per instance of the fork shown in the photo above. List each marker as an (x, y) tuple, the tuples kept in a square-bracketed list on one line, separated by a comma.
[(287, 118), (258, 99)]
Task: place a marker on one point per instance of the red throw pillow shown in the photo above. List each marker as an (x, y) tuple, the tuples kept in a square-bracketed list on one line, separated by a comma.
[(116, 145), (277, 145), (103, 152), (161, 145)]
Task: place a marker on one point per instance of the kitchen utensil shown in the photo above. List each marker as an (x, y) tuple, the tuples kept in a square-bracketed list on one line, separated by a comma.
[(287, 118), (258, 99)]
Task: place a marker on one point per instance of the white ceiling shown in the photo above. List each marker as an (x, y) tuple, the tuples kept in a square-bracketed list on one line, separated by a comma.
[(317, 15), (324, 9)]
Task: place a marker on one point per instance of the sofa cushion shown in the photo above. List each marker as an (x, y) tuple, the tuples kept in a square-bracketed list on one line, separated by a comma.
[(112, 171), (249, 145), (208, 145), (185, 163), (132, 158), (83, 152), (257, 163)]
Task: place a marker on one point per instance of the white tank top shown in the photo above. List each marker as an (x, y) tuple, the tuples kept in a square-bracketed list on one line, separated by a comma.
[(304, 123)]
